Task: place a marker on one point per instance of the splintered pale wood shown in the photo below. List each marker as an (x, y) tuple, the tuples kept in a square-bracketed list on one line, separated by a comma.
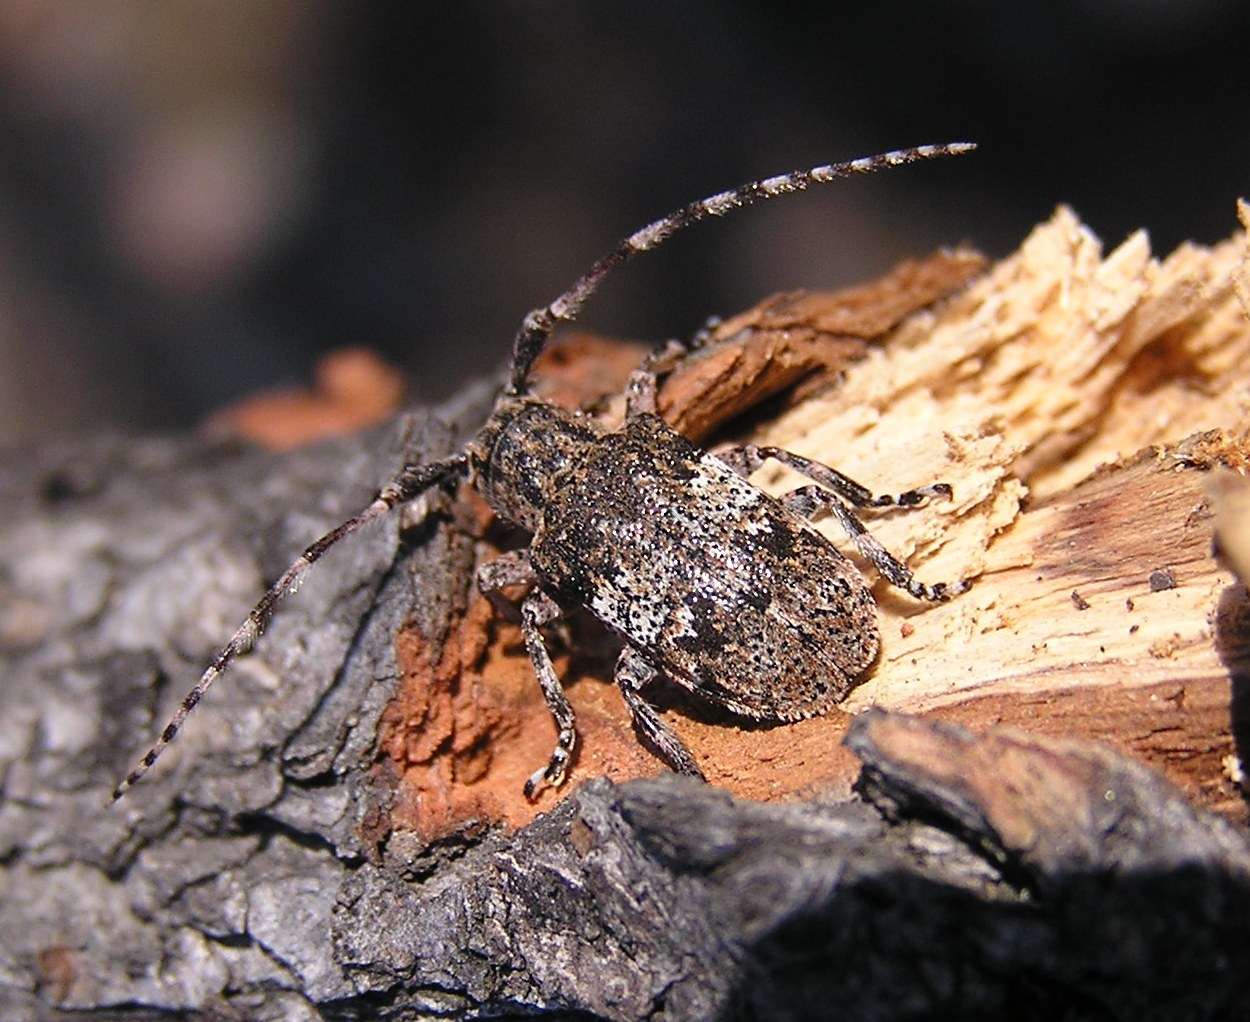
[(789, 340), (1076, 402)]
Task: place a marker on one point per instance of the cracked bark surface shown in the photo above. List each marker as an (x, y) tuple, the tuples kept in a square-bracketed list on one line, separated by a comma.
[(1062, 880)]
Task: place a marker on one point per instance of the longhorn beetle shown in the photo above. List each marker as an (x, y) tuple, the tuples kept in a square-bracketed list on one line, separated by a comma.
[(726, 591)]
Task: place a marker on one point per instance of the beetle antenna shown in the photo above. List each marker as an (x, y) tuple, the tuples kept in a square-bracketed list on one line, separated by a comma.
[(410, 482), (537, 327)]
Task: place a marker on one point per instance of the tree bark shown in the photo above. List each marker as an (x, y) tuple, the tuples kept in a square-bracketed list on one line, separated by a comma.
[(339, 832)]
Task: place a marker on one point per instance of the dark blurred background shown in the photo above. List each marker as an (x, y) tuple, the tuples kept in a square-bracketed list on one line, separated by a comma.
[(199, 198)]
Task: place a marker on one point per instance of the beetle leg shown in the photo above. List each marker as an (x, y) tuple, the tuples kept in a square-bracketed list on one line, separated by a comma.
[(632, 674), (640, 391), (509, 569), (539, 609), (826, 498), (814, 502), (746, 459)]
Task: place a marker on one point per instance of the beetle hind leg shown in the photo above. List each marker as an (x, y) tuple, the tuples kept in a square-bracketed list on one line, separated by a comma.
[(632, 675)]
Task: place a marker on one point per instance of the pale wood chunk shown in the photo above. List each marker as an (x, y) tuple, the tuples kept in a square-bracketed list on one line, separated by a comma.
[(1073, 400)]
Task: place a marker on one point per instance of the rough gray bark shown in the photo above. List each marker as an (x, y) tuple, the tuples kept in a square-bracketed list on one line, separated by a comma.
[(237, 880)]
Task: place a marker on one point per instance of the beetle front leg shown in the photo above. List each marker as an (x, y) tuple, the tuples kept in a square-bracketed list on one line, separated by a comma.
[(813, 503), (509, 569), (632, 674), (642, 388), (826, 498), (640, 391), (746, 459), (539, 609)]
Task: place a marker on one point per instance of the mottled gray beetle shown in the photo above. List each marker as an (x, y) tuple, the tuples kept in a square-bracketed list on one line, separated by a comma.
[(726, 591)]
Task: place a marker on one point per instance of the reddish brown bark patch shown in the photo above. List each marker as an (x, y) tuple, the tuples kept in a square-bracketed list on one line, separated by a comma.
[(467, 728), (353, 388)]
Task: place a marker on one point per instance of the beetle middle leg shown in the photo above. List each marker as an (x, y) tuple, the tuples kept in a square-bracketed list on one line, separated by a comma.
[(537, 610), (830, 497)]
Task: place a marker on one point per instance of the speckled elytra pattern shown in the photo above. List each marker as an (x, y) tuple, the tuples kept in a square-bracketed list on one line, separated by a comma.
[(715, 583)]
